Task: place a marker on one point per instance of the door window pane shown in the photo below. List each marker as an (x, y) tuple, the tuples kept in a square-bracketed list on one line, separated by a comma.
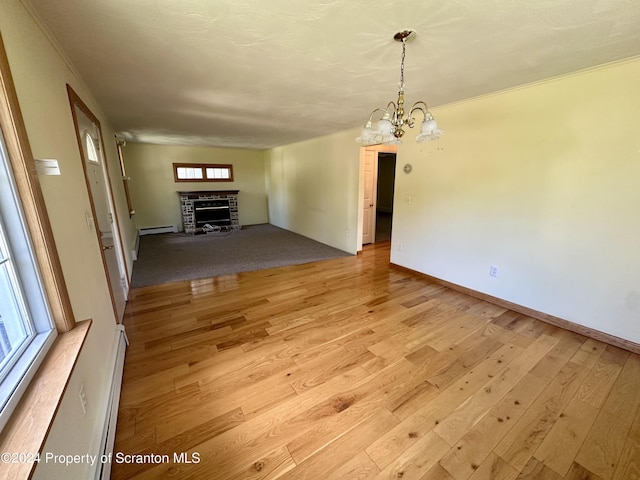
[(92, 153)]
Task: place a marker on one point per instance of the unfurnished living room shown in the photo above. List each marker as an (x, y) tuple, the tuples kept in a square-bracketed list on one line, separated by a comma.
[(319, 240)]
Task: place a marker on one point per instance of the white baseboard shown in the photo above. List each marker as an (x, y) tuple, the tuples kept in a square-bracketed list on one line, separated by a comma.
[(160, 229)]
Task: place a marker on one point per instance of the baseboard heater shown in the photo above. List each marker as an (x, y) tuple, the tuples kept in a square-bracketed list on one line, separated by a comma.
[(109, 432), (154, 230)]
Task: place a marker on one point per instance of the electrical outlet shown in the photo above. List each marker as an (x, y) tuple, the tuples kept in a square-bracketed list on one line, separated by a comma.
[(83, 399), (494, 271), (401, 247)]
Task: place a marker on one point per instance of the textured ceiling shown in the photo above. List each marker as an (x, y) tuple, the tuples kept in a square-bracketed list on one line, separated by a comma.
[(257, 74)]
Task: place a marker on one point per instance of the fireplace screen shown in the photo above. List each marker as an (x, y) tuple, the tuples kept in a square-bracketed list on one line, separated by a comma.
[(212, 212)]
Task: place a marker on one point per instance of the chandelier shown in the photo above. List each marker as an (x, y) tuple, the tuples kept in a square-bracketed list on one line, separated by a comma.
[(390, 127)]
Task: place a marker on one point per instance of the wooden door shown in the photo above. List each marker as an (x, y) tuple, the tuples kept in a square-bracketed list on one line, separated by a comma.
[(102, 217)]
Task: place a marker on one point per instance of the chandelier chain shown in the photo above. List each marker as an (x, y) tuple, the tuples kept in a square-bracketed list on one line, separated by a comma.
[(404, 46)]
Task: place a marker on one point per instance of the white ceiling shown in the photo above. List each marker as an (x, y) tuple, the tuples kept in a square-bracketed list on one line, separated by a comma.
[(263, 73)]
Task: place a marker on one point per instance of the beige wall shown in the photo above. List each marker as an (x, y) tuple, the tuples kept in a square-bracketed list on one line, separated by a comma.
[(541, 181), (153, 188), (313, 189), (40, 77)]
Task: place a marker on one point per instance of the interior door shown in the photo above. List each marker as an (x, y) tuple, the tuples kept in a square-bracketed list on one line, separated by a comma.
[(102, 217), (369, 205)]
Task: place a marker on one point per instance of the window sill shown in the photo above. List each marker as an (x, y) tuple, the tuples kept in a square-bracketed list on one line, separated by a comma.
[(27, 430)]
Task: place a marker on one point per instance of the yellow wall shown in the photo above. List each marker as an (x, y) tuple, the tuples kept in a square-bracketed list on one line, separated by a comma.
[(541, 181), (153, 188), (40, 77), (313, 189)]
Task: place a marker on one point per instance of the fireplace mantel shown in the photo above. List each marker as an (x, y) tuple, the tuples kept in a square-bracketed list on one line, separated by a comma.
[(209, 192), (187, 200)]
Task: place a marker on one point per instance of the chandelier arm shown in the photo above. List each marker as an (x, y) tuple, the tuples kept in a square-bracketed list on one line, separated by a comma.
[(391, 104), (418, 106), (379, 109), (392, 112)]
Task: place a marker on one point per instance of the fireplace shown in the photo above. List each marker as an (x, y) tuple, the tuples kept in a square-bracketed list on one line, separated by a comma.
[(218, 209)]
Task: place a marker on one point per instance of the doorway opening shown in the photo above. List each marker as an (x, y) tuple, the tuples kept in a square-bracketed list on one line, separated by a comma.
[(378, 166), (384, 197)]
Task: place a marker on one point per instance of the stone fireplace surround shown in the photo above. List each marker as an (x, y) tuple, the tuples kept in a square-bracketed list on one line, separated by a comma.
[(188, 216)]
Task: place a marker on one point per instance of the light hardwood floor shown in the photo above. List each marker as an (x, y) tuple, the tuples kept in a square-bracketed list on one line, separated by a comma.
[(351, 369)]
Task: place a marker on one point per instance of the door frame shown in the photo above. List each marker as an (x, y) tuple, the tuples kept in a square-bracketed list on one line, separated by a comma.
[(76, 102), (376, 149)]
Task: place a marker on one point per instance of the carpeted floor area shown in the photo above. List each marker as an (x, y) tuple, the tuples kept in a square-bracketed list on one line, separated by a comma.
[(173, 257)]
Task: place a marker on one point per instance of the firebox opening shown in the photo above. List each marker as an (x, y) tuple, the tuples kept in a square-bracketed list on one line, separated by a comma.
[(212, 212)]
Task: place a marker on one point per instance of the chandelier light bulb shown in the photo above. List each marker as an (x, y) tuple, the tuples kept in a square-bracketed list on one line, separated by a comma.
[(384, 126), (429, 130), (429, 126)]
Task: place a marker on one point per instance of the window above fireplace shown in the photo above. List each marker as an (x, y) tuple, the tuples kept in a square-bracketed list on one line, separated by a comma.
[(202, 172)]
